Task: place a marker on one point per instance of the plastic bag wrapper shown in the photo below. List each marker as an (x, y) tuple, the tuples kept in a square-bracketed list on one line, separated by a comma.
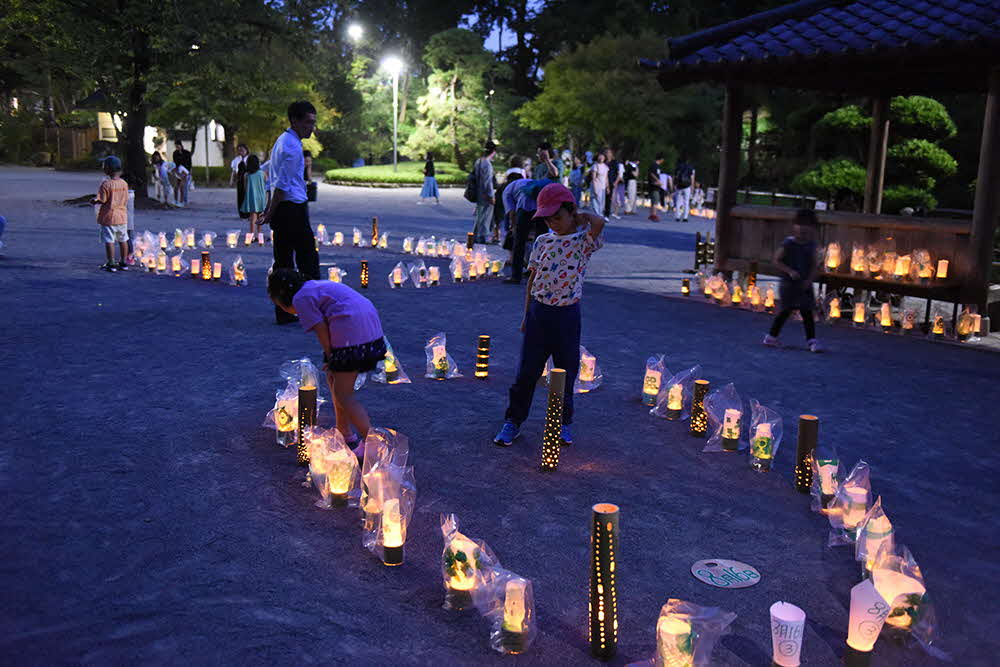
[(284, 416), (458, 269), (430, 247), (590, 377), (676, 395), (421, 248), (178, 241), (360, 381), (652, 381), (765, 436), (333, 467), (510, 608), (238, 272), (468, 568), (443, 248), (356, 236), (232, 238), (921, 267), (875, 532), (850, 505), (301, 373), (389, 370), (440, 365), (189, 240), (686, 633), (383, 241), (408, 245), (385, 477), (724, 408), (418, 274), (335, 274), (912, 616), (398, 275), (322, 237), (826, 477), (207, 239)]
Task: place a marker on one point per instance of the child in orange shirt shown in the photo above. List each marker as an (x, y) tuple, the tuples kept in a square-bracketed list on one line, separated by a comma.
[(113, 214)]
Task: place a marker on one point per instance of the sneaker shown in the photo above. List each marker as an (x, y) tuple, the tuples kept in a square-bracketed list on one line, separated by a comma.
[(653, 218), (566, 434), (616, 216), (122, 266), (814, 345), (110, 267), (508, 432), (771, 341)]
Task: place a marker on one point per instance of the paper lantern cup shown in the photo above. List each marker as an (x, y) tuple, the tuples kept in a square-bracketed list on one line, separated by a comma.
[(787, 627)]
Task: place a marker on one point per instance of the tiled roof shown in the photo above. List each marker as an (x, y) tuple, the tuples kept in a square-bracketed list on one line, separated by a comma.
[(816, 30)]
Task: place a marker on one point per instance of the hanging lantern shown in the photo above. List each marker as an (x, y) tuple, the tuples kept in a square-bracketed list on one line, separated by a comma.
[(435, 275), (603, 606), (217, 271), (338, 238), (552, 435), (762, 448), (808, 437), (859, 314), (942, 268), (175, 264), (832, 257), (675, 402), (731, 430), (699, 418), (374, 231), (364, 274), (306, 420), (835, 308), (206, 266), (483, 357), (686, 286), (392, 533)]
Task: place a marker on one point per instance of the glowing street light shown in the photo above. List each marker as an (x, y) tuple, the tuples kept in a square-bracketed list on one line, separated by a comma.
[(394, 66), (355, 31)]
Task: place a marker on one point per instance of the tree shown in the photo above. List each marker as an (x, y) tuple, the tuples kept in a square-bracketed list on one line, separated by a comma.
[(454, 113)]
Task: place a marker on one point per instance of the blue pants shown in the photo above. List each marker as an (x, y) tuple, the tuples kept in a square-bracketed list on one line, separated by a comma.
[(549, 331)]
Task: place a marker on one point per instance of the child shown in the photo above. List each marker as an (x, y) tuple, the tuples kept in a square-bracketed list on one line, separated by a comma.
[(551, 324), (430, 189), (796, 258), (255, 198), (350, 332), (113, 214), (182, 178), (576, 180), (161, 177)]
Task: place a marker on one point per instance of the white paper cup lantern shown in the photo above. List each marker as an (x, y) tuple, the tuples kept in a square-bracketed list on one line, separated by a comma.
[(588, 367), (674, 642), (787, 627), (857, 506), (868, 613), (338, 238), (232, 239), (651, 386)]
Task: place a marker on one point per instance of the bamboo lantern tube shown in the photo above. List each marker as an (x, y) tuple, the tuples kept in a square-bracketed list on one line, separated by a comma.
[(603, 605), (808, 437), (483, 357), (307, 419), (699, 419), (552, 435)]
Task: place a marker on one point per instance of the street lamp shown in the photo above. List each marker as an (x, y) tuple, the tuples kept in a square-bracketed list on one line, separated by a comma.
[(355, 31), (489, 105), (394, 66)]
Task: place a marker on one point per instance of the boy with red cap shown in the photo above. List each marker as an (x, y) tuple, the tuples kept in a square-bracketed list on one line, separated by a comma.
[(551, 324)]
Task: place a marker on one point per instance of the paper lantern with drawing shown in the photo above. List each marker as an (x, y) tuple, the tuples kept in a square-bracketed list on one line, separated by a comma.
[(390, 369), (589, 378), (756, 302), (443, 248), (737, 293), (430, 247), (510, 607), (496, 267), (725, 420), (675, 396), (603, 605), (850, 505), (938, 328), (787, 627), (467, 566), (421, 248), (899, 581), (283, 417), (923, 268), (769, 300), (175, 265), (150, 262), (656, 369), (868, 613), (825, 476), (765, 436), (238, 272), (178, 238), (248, 238), (686, 634), (161, 262), (434, 275), (875, 532), (440, 365), (419, 276), (322, 237), (335, 274)]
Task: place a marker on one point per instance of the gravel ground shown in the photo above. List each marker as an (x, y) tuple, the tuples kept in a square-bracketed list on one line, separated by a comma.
[(148, 518)]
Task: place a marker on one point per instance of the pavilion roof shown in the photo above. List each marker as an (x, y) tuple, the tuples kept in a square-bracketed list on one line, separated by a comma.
[(866, 46)]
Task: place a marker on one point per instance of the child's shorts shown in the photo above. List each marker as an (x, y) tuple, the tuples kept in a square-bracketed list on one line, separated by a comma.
[(114, 233), (361, 358)]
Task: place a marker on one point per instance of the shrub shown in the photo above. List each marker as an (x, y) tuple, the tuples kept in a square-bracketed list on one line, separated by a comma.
[(411, 173), (920, 117), (896, 198), (828, 178), (920, 157), (845, 119)]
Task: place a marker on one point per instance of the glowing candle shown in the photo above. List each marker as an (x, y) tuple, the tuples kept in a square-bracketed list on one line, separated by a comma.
[(239, 273), (175, 265), (391, 367), (834, 308), (875, 533), (483, 357), (651, 386), (150, 261), (885, 317), (889, 263), (707, 288), (762, 447), (755, 297), (674, 642), (178, 238), (408, 245), (859, 313), (161, 261), (248, 238), (285, 421), (461, 570), (232, 238), (162, 238), (421, 246), (938, 328), (374, 232), (397, 276), (206, 238), (364, 274), (686, 286), (473, 271), (435, 275), (216, 270), (926, 271), (833, 256), (497, 267), (440, 360), (383, 241), (787, 627), (338, 238), (356, 239), (857, 506), (588, 367), (189, 237), (902, 269), (675, 401), (206, 266), (737, 294), (868, 614), (769, 299), (457, 270), (392, 533), (513, 631), (731, 429), (942, 268)]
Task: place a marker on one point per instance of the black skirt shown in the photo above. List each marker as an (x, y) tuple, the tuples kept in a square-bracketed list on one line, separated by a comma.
[(361, 358), (241, 188)]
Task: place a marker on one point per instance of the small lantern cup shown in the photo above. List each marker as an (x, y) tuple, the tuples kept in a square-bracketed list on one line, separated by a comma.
[(656, 371), (675, 397), (765, 436), (466, 566), (726, 420)]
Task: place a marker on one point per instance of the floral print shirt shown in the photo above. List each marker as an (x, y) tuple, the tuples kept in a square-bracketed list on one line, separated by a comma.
[(559, 264)]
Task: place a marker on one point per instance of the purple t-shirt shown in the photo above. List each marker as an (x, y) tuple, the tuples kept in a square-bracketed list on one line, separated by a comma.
[(350, 317)]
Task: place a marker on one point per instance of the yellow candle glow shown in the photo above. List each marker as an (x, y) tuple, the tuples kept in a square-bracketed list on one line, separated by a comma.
[(858, 263), (190, 239), (497, 266), (675, 397), (397, 276), (833, 256), (392, 524), (217, 270), (755, 296), (320, 230), (587, 367), (161, 261), (885, 318), (175, 264), (769, 298), (207, 239), (889, 262), (859, 313), (435, 274), (248, 238), (737, 294), (232, 238), (834, 308), (514, 609), (902, 270), (195, 267), (408, 244), (178, 238), (338, 238), (162, 238), (383, 241), (357, 237), (942, 268), (651, 383), (938, 326), (459, 580)]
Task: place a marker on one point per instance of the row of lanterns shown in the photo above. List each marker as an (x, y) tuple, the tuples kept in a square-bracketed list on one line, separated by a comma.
[(883, 264), (156, 257)]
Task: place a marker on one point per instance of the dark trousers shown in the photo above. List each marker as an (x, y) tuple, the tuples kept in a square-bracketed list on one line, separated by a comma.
[(522, 228), (294, 245), (807, 320), (550, 331)]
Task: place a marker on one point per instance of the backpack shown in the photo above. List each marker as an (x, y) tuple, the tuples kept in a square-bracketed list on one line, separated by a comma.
[(472, 185), (683, 179)]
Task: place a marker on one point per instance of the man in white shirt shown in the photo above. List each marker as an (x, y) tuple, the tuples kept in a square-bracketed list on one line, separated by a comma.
[(288, 212)]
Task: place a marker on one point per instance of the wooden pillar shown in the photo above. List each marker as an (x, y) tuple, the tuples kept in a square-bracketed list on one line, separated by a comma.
[(987, 206), (729, 169), (878, 142)]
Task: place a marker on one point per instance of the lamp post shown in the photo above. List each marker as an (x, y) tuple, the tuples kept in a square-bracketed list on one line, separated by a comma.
[(489, 106), (394, 66)]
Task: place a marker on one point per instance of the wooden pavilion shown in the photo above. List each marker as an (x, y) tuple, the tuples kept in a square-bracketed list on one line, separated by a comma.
[(873, 48)]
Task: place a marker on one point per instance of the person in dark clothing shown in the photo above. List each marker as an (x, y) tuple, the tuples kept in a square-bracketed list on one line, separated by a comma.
[(288, 212), (796, 259), (182, 156)]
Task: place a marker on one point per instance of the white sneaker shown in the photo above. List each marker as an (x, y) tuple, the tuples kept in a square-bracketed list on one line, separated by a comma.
[(616, 216), (814, 345), (771, 341)]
